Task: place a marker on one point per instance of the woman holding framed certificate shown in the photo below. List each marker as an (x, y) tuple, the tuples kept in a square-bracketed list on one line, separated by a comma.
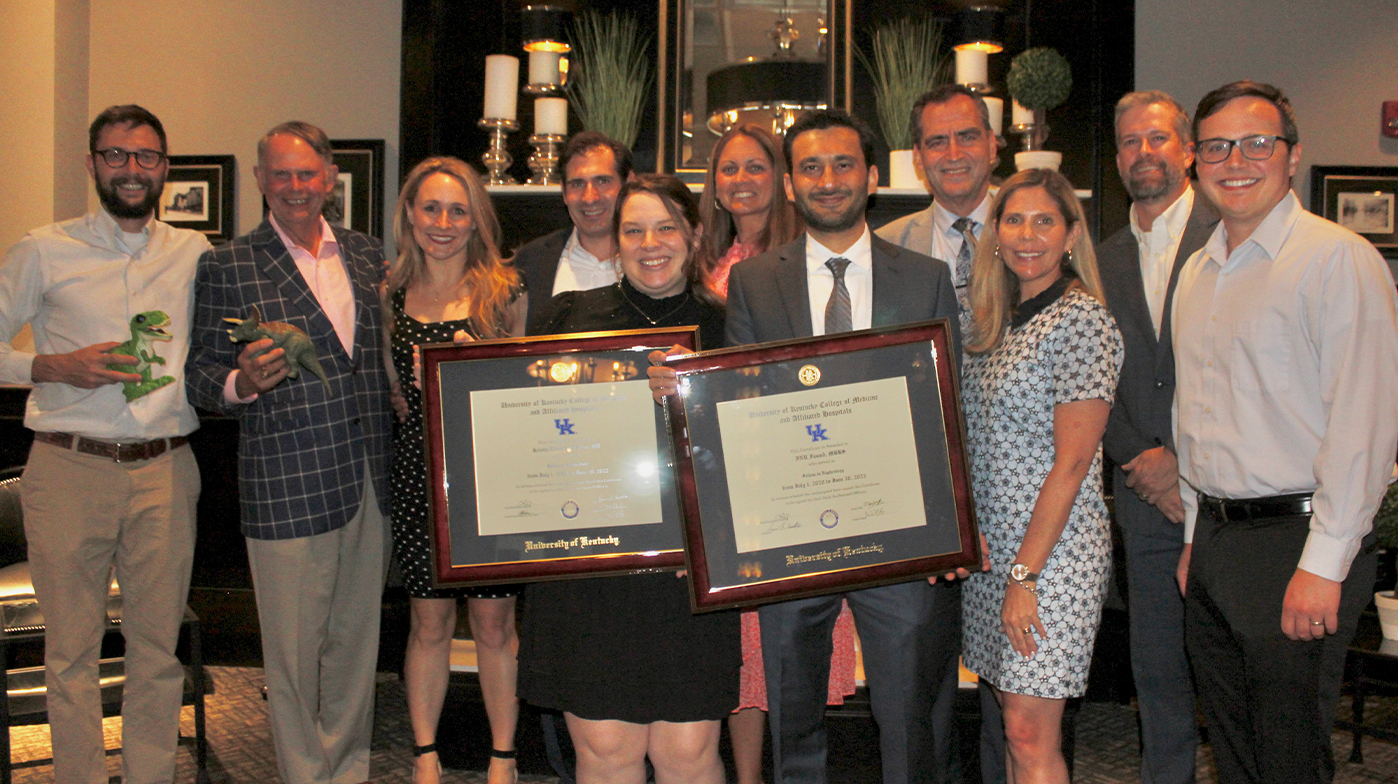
[(636, 674), (447, 284), (1041, 370)]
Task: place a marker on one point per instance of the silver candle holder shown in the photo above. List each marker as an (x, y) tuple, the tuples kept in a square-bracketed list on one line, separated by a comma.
[(497, 159), (1033, 134), (544, 160)]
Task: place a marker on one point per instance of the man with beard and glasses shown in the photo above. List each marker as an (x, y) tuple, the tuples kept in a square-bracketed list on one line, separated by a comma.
[(834, 278), (1140, 265), (110, 478)]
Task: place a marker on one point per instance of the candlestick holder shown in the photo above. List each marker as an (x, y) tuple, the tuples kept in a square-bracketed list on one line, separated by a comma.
[(544, 160), (497, 159), (1032, 134)]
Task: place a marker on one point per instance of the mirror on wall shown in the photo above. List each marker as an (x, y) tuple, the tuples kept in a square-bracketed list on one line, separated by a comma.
[(731, 62)]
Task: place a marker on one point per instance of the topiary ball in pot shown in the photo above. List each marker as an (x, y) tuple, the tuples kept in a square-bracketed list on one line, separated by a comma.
[(1040, 78)]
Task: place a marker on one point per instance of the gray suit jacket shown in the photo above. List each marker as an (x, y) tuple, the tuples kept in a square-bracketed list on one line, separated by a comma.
[(768, 298), (913, 231), (1140, 418)]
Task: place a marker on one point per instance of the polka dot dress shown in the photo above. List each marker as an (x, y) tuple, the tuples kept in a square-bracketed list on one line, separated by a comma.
[(1069, 351), (408, 470)]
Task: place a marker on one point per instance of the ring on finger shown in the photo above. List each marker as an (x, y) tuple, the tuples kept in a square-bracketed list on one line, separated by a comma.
[(1026, 630)]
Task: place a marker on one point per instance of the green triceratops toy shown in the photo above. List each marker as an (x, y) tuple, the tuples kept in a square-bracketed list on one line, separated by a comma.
[(146, 328), (297, 344)]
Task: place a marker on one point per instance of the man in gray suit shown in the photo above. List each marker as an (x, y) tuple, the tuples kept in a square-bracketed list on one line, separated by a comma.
[(958, 151), (837, 277), (1140, 265)]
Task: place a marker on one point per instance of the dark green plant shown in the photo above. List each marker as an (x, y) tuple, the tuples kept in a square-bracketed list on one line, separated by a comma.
[(1040, 78), (611, 75), (906, 59)]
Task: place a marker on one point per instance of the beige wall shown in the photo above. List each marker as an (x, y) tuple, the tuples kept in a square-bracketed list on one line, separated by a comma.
[(219, 74), (1337, 61), (27, 123)]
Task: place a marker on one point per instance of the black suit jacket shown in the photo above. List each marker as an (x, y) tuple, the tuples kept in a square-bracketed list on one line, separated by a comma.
[(1140, 417), (768, 298), (537, 262)]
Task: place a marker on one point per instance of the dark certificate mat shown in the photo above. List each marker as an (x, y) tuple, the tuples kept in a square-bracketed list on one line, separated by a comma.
[(821, 465), (536, 449)]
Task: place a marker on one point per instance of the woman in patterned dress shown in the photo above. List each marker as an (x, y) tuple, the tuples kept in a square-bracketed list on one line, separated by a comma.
[(745, 212), (448, 283), (1041, 370)]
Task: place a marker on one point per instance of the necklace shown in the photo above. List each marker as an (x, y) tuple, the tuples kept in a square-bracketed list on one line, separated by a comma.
[(646, 316)]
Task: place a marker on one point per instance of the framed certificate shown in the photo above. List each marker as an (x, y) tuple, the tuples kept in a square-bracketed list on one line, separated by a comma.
[(547, 458), (821, 465)]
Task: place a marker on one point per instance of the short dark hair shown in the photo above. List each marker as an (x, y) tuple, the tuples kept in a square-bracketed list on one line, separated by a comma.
[(310, 134), (821, 119), (940, 95), (583, 141), (1246, 88), (124, 114)]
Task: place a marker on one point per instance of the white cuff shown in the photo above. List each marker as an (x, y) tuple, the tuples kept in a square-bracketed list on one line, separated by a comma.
[(230, 391)]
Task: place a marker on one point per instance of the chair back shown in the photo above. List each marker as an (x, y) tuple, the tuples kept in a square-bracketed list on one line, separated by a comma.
[(14, 548)]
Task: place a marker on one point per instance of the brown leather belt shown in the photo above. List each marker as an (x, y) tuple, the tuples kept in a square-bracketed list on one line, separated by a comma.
[(1245, 509), (120, 451)]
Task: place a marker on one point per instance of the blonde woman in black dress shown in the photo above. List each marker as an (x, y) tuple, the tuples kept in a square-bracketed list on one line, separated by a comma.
[(448, 283)]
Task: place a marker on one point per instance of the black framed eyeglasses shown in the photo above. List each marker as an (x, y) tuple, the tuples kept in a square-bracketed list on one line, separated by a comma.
[(1254, 148), (115, 157)]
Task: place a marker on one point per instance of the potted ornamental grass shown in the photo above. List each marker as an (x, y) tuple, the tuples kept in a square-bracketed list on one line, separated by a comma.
[(1386, 526), (612, 74), (1039, 79), (906, 58)]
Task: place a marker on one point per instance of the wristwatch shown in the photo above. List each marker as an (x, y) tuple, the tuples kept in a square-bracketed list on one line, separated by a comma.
[(1020, 573)]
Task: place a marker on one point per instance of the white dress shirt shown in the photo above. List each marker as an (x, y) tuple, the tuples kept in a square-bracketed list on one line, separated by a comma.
[(859, 279), (1156, 248), (946, 241), (1286, 360), (78, 283), (579, 270)]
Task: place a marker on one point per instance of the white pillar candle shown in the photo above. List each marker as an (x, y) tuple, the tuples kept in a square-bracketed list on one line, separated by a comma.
[(1020, 115), (551, 116), (996, 108), (971, 66), (501, 86), (543, 67)]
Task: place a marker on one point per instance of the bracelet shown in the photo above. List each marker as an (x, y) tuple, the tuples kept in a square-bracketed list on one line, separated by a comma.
[(1028, 586)]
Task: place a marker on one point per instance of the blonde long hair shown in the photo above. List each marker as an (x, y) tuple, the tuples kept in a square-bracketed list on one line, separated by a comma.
[(491, 282), (994, 291)]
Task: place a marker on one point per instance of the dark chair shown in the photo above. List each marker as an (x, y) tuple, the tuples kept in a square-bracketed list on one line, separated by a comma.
[(21, 624)]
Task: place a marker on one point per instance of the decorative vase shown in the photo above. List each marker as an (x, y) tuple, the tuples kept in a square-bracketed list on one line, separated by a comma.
[(1038, 159), (903, 171), (1387, 602)]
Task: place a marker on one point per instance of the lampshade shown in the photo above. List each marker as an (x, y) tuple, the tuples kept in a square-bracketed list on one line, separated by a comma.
[(771, 93), (543, 28), (978, 28)]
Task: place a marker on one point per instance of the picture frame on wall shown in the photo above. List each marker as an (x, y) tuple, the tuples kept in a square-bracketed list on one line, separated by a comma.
[(199, 194), (1363, 199), (357, 202)]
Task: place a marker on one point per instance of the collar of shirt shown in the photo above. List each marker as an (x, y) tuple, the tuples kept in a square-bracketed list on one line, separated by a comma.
[(859, 281), (1168, 226), (942, 219), (329, 246), (579, 270), (109, 235), (1267, 237), (860, 255)]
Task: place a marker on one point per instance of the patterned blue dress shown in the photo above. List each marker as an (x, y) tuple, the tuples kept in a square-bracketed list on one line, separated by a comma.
[(1069, 350)]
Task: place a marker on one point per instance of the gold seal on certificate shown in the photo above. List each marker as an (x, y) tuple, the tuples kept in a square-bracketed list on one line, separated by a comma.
[(564, 457), (821, 464)]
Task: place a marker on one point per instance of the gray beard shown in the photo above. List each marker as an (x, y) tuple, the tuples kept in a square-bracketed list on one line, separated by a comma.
[(1152, 191)]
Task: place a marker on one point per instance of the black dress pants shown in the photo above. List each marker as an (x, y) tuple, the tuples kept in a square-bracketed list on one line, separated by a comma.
[(1269, 701)]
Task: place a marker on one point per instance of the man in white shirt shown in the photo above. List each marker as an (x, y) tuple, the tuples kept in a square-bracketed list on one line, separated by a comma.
[(584, 257), (312, 454), (958, 151), (1286, 356), (837, 277), (110, 477), (1139, 265)]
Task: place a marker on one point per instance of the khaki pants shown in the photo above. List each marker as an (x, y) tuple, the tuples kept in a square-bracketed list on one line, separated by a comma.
[(81, 514), (318, 603)]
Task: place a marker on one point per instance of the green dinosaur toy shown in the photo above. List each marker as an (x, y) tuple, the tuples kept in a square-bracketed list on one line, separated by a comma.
[(146, 328), (296, 343)]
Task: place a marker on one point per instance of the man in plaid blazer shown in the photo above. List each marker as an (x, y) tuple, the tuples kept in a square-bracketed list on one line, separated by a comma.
[(312, 456)]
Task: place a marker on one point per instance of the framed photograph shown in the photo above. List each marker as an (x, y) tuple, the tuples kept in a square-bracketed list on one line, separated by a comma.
[(548, 459), (199, 195), (821, 465), (357, 202), (1360, 198)]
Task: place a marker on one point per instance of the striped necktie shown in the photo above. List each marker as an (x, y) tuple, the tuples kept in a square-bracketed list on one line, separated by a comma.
[(837, 310)]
